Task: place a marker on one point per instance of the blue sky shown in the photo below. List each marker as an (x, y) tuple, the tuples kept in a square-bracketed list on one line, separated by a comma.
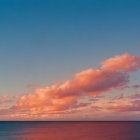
[(46, 40)]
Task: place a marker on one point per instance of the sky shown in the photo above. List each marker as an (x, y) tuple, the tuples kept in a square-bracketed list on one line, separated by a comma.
[(69, 60)]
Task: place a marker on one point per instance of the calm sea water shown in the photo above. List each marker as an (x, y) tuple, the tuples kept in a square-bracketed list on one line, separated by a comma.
[(69, 130)]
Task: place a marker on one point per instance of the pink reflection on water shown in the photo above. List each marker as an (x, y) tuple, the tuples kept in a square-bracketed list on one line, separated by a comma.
[(78, 131)]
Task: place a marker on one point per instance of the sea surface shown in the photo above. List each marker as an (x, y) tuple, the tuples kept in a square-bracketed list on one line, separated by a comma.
[(69, 130)]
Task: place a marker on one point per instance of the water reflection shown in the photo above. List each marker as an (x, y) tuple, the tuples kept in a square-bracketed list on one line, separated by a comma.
[(70, 131)]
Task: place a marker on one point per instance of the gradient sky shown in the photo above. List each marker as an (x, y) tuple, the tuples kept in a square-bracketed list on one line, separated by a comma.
[(44, 41)]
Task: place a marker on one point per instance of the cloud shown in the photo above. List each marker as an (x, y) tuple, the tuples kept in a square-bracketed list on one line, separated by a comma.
[(121, 103), (136, 86), (2, 98), (31, 86), (113, 74), (124, 62), (134, 96), (121, 97), (129, 107)]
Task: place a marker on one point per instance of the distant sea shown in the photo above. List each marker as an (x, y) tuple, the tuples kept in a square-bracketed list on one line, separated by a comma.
[(70, 130)]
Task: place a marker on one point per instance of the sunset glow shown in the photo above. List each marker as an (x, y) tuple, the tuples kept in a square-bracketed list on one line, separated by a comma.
[(69, 60), (77, 95)]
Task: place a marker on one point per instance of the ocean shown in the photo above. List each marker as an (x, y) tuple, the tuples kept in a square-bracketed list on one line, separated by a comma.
[(69, 130)]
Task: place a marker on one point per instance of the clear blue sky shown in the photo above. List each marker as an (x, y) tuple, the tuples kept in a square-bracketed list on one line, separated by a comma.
[(46, 40)]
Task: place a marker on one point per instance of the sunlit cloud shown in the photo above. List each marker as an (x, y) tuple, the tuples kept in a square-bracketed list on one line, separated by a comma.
[(82, 94), (125, 62), (60, 98)]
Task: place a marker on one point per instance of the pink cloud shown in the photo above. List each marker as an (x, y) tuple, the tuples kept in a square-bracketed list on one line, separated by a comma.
[(124, 97), (31, 86), (129, 107), (120, 97), (5, 99), (4, 96), (124, 62), (136, 86), (16, 97), (113, 74), (134, 96)]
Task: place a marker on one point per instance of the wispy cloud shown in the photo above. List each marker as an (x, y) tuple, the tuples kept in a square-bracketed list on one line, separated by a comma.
[(126, 107)]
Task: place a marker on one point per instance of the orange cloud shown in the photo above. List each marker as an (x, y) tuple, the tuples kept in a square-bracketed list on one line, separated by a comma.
[(124, 62), (113, 74)]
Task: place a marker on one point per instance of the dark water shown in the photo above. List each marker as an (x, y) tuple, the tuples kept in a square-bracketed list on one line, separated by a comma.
[(69, 130)]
